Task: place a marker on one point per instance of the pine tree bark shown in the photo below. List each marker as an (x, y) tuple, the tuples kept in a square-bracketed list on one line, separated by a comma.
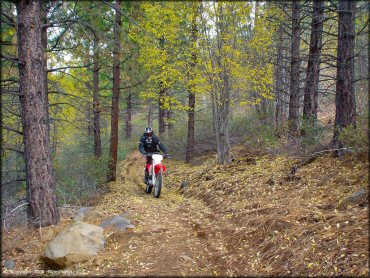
[(169, 116), (345, 102), (161, 110), (44, 43), (89, 106), (311, 89), (129, 116), (294, 73), (96, 99), (112, 167), (191, 113), (191, 126), (163, 92), (279, 77), (42, 209)]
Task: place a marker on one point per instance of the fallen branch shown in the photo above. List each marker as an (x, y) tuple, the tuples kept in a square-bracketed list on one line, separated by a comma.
[(313, 158), (7, 215)]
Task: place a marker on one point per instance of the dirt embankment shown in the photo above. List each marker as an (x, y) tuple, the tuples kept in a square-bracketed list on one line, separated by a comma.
[(284, 224), (245, 218)]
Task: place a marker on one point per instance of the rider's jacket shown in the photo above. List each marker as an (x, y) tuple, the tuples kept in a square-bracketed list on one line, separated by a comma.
[(151, 144)]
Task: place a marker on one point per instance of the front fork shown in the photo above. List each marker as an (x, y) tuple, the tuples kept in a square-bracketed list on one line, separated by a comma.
[(151, 172)]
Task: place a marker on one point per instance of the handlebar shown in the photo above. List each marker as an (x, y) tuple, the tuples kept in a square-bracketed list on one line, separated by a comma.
[(164, 156)]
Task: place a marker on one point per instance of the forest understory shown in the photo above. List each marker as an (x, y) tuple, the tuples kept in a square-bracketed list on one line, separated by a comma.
[(273, 221), (263, 106)]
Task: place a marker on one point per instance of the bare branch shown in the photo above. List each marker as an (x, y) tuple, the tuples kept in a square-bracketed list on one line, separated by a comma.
[(69, 67), (12, 129), (13, 149), (12, 59), (7, 215)]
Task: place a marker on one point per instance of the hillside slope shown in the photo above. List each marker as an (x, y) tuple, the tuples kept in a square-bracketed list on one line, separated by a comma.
[(246, 218)]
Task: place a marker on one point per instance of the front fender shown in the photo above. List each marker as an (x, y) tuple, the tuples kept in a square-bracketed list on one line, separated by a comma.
[(158, 167)]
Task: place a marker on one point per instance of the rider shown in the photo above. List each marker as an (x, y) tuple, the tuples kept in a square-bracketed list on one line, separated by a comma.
[(149, 143)]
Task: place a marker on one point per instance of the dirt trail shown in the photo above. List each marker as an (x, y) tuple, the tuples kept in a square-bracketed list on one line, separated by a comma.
[(173, 235), (244, 218)]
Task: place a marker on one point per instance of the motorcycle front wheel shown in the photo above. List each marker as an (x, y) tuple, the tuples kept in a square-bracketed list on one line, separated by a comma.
[(158, 185), (149, 188)]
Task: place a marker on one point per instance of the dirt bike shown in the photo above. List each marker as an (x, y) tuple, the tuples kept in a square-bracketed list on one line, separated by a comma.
[(154, 174)]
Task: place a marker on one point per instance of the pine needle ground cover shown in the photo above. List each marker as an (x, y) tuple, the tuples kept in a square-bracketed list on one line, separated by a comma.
[(246, 218)]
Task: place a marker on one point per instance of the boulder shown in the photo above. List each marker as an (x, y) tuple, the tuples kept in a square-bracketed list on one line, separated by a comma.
[(76, 243), (118, 222), (354, 199)]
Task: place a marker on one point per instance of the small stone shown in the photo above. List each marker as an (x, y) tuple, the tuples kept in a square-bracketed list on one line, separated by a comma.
[(271, 181), (201, 234), (98, 261), (268, 268), (19, 250), (118, 222), (81, 215), (158, 229), (184, 186), (9, 264), (185, 258)]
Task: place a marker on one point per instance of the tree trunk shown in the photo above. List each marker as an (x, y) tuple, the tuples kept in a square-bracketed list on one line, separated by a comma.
[(311, 89), (294, 73), (191, 113), (44, 43), (345, 103), (161, 110), (279, 77), (96, 99), (115, 99), (129, 116), (168, 123), (89, 87), (224, 155), (42, 209), (150, 115), (223, 105), (221, 124), (191, 120)]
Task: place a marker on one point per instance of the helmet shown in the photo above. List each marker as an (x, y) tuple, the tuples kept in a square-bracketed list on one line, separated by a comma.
[(149, 131)]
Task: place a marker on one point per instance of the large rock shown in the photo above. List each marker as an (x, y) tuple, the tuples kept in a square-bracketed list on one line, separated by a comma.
[(76, 243), (356, 198)]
